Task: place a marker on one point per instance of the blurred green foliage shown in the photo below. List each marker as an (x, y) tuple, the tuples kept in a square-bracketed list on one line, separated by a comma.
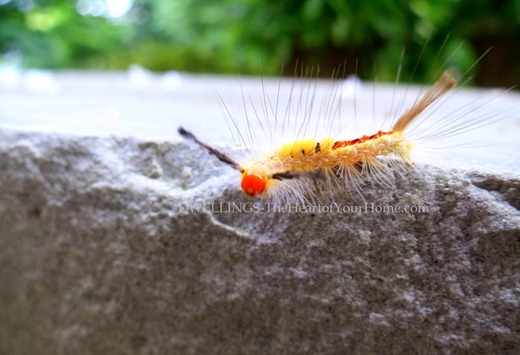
[(52, 34), (258, 36)]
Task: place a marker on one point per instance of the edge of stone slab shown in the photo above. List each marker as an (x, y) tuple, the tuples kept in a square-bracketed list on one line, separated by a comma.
[(190, 180)]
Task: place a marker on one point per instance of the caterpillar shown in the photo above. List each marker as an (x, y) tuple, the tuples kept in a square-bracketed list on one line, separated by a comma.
[(298, 170)]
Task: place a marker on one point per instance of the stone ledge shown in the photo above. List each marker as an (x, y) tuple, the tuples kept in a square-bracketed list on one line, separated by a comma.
[(97, 255)]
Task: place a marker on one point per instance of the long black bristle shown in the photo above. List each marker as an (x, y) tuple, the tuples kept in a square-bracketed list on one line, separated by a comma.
[(221, 156)]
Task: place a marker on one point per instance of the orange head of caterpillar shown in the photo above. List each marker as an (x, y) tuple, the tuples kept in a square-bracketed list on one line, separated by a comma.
[(254, 183)]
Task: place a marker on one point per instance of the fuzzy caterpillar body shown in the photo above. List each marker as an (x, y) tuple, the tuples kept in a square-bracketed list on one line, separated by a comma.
[(316, 158), (290, 173)]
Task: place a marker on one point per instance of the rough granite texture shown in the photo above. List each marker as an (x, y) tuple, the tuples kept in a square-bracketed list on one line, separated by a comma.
[(100, 254)]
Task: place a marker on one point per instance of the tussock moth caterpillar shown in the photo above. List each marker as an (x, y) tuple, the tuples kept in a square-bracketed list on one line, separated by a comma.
[(309, 167)]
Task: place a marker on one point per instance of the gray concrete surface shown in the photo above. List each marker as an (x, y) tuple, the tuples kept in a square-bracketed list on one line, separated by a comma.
[(103, 250)]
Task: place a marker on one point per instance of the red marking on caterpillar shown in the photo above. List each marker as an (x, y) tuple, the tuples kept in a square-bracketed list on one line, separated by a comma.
[(341, 144)]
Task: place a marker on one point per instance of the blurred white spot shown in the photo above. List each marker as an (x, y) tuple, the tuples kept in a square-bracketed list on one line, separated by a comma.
[(351, 87), (10, 76), (139, 77), (171, 81), (108, 8), (40, 82), (117, 8), (10, 72)]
